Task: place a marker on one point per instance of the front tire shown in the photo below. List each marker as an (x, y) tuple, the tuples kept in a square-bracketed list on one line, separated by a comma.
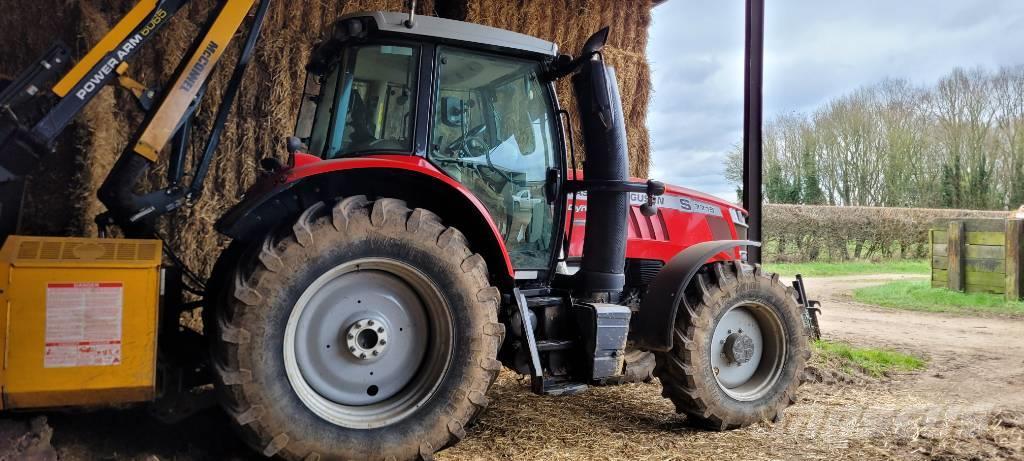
[(365, 331), (739, 349)]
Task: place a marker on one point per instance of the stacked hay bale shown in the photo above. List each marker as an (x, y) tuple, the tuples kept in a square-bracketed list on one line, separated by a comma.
[(264, 113), (262, 117), (569, 23)]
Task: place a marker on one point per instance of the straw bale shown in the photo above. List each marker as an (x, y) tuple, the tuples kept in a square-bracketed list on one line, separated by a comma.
[(263, 114), (569, 23)]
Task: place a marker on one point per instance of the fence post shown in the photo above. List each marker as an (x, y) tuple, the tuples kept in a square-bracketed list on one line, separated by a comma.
[(1014, 238), (955, 250)]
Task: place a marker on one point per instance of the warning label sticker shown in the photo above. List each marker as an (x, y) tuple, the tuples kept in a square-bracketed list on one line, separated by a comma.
[(83, 324)]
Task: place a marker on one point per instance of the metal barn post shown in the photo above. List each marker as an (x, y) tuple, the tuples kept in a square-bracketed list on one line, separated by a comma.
[(753, 75)]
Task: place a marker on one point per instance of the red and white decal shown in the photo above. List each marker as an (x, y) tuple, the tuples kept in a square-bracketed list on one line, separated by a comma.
[(83, 324), (678, 203), (671, 202)]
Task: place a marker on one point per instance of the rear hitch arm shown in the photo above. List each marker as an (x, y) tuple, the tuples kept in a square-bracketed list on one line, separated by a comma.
[(811, 308)]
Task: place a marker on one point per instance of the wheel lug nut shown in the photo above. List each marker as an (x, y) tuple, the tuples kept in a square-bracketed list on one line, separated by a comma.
[(383, 342), (360, 325), (380, 329), (369, 322), (362, 355), (376, 352), (352, 349), (352, 336)]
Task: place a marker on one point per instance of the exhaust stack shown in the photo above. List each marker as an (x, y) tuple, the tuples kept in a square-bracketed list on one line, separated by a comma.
[(601, 275)]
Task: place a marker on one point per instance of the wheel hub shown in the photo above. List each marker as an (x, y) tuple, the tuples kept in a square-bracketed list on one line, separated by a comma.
[(368, 342), (361, 337), (739, 348), (367, 339), (747, 350)]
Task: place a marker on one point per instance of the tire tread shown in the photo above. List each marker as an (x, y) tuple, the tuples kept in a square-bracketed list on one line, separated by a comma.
[(678, 369), (260, 273)]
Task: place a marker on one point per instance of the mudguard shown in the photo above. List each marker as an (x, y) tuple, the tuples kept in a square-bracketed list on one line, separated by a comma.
[(281, 196), (657, 316)]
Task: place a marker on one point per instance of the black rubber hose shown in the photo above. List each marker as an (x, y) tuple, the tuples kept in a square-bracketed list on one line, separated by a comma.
[(118, 194)]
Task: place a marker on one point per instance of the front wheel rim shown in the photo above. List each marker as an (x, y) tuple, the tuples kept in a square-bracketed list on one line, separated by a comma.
[(748, 350), (368, 343)]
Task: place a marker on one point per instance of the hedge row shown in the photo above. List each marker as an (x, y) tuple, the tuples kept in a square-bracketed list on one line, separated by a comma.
[(797, 233)]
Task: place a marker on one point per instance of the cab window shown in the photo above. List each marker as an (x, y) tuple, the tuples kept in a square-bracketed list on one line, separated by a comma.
[(365, 103)]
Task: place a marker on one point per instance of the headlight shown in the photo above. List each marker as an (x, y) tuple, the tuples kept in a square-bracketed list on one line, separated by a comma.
[(738, 217)]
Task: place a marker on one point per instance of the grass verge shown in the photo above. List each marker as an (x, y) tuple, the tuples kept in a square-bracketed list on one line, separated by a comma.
[(868, 360), (822, 269), (920, 296)]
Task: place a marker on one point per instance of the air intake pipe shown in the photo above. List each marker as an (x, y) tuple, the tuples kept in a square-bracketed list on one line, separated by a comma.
[(601, 275)]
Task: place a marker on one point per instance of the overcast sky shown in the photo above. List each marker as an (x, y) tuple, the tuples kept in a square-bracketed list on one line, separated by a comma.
[(814, 51)]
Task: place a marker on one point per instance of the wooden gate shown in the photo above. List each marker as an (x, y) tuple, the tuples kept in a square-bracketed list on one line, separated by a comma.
[(977, 255)]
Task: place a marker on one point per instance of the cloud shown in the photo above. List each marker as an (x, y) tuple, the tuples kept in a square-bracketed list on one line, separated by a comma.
[(699, 170), (814, 51)]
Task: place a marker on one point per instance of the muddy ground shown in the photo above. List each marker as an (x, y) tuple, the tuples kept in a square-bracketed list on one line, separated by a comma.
[(968, 404)]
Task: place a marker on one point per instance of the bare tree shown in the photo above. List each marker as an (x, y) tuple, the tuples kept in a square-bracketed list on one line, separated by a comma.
[(958, 143)]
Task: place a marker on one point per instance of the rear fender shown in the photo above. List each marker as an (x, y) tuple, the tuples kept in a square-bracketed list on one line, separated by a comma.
[(278, 200), (657, 316)]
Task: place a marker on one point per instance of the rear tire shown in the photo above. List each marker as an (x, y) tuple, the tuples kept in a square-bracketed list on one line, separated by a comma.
[(289, 298), (730, 378)]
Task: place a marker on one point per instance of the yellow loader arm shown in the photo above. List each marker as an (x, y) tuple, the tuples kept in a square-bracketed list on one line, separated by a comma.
[(41, 102)]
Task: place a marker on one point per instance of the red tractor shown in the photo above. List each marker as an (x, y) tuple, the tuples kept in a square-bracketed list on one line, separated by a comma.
[(428, 229)]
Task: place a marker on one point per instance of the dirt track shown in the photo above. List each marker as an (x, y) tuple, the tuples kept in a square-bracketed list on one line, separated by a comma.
[(968, 404), (973, 361)]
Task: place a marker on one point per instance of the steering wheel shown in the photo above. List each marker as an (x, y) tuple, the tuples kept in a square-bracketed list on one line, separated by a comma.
[(471, 142)]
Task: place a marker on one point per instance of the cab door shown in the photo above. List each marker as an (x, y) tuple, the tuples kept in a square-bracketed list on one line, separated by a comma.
[(494, 131)]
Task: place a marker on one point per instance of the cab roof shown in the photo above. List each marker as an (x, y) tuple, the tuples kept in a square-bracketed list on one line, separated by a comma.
[(449, 29)]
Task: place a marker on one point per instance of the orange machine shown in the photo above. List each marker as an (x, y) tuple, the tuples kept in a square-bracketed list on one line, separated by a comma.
[(78, 321)]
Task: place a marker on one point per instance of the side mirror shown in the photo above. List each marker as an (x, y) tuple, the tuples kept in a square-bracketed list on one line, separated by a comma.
[(453, 110), (294, 144), (565, 65)]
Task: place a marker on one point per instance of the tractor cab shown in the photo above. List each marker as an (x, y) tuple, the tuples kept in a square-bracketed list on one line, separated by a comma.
[(480, 112)]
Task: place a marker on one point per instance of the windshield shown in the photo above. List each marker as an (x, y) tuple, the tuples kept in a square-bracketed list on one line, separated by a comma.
[(374, 88), (494, 132)]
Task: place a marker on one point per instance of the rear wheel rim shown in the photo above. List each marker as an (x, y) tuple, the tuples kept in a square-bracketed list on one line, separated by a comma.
[(368, 343), (748, 351)]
